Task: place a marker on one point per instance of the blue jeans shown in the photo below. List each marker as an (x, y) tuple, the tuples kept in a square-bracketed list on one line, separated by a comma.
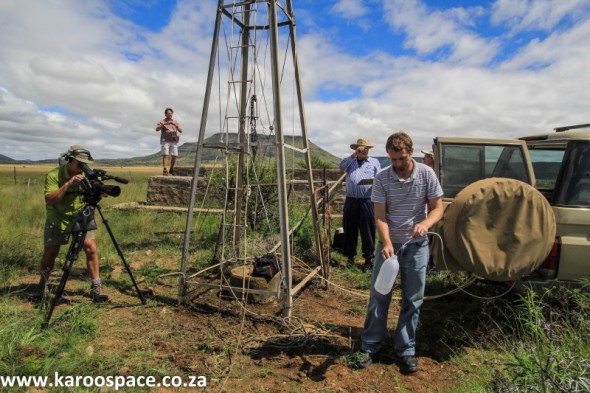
[(413, 260)]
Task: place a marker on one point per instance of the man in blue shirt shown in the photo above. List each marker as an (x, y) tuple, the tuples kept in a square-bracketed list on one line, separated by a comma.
[(358, 212)]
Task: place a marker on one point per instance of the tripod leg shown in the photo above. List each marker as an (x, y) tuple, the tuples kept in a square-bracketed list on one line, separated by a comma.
[(72, 255), (106, 224)]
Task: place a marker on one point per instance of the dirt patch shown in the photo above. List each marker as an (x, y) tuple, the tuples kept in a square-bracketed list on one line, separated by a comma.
[(241, 347)]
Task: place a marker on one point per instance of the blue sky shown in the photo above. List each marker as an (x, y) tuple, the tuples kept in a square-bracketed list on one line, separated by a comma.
[(100, 73)]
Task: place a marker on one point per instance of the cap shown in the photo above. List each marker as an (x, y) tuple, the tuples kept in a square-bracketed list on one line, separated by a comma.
[(80, 154), (361, 142), (428, 152)]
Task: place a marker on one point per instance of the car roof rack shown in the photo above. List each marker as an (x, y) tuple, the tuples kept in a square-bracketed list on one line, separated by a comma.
[(561, 129)]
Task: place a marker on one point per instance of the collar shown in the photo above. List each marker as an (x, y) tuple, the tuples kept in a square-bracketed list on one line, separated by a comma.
[(412, 175)]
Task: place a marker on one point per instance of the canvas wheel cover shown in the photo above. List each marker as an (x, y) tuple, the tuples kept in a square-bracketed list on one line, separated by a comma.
[(500, 229)]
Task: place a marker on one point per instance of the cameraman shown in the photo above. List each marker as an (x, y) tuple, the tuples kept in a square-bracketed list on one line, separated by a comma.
[(63, 201)]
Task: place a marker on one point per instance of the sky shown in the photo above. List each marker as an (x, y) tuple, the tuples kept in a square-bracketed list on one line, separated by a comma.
[(99, 73)]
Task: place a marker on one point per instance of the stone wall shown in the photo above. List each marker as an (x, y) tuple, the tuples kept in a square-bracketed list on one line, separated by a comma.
[(175, 190), (169, 190)]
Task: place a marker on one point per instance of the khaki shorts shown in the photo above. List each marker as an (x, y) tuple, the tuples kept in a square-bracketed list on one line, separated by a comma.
[(54, 236), (169, 149)]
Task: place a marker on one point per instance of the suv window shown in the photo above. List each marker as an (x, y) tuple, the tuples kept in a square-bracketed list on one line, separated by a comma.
[(573, 186), (546, 164), (463, 164)]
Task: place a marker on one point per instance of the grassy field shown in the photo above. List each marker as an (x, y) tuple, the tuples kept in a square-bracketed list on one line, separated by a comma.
[(473, 341)]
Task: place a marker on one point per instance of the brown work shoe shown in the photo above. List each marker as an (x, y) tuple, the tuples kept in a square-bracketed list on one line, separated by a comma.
[(97, 294)]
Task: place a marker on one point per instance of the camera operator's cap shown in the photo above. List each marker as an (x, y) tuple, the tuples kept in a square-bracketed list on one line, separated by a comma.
[(428, 152), (80, 154), (361, 142)]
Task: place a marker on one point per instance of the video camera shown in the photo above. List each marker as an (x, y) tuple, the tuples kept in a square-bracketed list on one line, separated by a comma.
[(93, 187)]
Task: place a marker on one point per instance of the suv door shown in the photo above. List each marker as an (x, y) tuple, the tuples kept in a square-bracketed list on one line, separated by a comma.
[(562, 166)]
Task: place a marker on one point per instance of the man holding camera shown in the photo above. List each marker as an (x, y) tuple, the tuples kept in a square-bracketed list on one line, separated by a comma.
[(63, 201), (358, 212)]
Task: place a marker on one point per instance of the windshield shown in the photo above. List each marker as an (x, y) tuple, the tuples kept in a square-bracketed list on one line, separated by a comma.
[(573, 185)]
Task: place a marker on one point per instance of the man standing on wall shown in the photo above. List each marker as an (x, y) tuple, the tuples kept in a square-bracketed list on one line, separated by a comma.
[(358, 212), (169, 139)]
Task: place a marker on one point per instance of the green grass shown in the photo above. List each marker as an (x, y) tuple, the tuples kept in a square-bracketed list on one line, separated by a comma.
[(28, 350), (550, 342), (533, 342)]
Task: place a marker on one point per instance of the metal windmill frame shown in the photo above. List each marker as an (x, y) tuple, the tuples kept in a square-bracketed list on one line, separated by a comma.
[(239, 13)]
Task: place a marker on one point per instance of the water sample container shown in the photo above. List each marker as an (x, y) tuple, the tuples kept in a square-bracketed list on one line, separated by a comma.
[(387, 275)]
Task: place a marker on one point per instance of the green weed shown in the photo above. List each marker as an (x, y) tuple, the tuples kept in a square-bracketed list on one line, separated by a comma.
[(551, 346)]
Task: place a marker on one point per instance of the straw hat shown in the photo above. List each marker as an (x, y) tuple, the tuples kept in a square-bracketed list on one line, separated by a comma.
[(361, 142)]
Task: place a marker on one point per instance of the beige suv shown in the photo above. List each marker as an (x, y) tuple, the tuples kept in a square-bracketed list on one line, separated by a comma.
[(488, 192), (561, 161), (515, 209)]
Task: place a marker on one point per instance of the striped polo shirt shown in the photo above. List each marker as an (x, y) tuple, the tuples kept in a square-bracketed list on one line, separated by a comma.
[(405, 199), (355, 173)]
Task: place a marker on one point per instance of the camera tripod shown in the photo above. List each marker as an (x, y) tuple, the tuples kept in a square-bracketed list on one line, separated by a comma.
[(85, 222)]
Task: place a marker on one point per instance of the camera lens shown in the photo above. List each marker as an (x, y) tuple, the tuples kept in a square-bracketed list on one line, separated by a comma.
[(111, 190)]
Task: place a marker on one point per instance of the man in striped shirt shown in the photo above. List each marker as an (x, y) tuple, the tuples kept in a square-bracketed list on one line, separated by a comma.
[(400, 194), (358, 212)]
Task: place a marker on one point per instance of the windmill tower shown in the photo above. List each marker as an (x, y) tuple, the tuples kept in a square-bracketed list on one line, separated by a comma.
[(253, 41)]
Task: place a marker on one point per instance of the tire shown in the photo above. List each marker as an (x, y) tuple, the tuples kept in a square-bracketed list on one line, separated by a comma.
[(499, 229)]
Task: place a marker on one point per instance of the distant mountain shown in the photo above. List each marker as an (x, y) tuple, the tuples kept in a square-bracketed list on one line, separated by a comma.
[(186, 153), (215, 146), (7, 160)]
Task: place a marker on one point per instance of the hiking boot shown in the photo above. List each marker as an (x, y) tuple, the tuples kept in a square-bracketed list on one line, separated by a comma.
[(97, 294), (408, 364), (361, 360), (172, 172)]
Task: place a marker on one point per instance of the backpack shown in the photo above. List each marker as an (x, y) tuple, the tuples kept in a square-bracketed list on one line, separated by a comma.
[(266, 266)]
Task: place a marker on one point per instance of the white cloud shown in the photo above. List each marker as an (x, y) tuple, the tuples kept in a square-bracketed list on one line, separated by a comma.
[(72, 57), (431, 31), (350, 9), (523, 15), (71, 72)]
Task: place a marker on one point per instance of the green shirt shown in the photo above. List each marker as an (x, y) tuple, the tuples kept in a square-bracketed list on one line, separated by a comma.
[(64, 212)]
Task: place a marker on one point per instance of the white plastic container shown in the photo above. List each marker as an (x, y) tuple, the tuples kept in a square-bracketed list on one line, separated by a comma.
[(387, 275)]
